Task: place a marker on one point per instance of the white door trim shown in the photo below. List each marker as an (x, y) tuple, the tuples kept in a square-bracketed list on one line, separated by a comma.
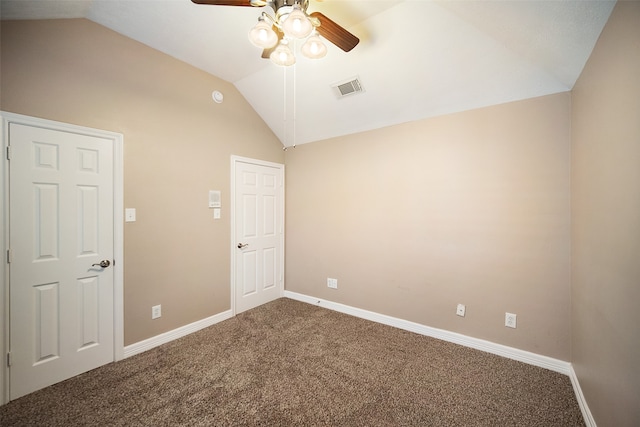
[(234, 161), (118, 216)]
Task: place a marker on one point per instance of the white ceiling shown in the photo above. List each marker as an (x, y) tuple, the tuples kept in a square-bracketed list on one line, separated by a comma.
[(416, 58)]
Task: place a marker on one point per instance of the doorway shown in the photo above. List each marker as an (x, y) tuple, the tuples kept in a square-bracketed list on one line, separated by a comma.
[(62, 282), (257, 250)]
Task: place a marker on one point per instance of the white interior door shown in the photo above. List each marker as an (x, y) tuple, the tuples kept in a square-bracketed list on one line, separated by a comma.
[(61, 228), (259, 232)]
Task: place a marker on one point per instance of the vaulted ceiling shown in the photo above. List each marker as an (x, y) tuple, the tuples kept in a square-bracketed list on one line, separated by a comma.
[(416, 58)]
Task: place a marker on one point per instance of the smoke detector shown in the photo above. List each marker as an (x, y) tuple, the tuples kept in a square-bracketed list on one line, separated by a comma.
[(348, 87)]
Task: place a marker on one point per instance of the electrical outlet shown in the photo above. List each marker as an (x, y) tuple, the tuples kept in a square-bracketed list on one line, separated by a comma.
[(156, 311), (510, 320), (332, 283), (130, 215), (460, 310)]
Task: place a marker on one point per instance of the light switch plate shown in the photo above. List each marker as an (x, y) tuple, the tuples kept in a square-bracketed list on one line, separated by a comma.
[(216, 213)]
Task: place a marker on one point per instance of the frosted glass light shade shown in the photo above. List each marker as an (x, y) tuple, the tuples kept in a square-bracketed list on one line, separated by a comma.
[(282, 55), (262, 35), (297, 25), (314, 48)]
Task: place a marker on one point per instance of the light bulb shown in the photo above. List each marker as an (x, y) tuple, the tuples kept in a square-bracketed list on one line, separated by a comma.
[(262, 35), (296, 24), (314, 48), (282, 55)]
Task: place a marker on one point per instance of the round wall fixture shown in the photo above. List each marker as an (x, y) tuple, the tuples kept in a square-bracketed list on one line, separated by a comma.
[(217, 96)]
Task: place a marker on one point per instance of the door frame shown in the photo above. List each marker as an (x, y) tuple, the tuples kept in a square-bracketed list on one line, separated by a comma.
[(234, 250), (118, 237)]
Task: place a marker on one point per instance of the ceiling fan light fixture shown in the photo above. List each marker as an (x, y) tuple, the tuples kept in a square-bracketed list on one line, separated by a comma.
[(282, 55), (262, 35), (296, 24), (314, 48)]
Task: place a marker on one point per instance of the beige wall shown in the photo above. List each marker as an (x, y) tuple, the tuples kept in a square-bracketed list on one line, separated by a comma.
[(177, 143), (606, 222), (469, 208)]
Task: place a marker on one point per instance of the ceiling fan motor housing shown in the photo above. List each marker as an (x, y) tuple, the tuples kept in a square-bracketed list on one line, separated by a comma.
[(283, 8), (276, 5)]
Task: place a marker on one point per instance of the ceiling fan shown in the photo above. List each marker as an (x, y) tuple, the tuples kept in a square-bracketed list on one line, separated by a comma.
[(291, 21)]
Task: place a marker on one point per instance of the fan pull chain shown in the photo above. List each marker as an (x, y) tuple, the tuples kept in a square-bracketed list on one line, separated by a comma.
[(295, 104), (294, 107), (284, 107)]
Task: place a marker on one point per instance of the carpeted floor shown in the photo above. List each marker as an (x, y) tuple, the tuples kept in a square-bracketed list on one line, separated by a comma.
[(289, 363)]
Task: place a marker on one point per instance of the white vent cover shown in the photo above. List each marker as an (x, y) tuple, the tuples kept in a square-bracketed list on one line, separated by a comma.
[(348, 87)]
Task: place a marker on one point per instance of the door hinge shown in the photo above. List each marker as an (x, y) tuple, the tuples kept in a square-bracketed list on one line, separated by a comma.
[(9, 256), (8, 152), (9, 359)]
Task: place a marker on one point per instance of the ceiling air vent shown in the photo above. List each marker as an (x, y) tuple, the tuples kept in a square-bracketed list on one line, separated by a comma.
[(348, 87)]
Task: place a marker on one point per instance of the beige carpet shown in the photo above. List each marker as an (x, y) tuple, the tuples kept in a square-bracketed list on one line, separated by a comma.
[(289, 363)]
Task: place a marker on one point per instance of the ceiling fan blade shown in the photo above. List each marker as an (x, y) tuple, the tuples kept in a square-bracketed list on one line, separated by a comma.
[(224, 2), (266, 53), (335, 33)]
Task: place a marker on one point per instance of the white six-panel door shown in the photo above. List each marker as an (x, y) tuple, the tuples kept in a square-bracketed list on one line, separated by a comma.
[(61, 228), (259, 233)]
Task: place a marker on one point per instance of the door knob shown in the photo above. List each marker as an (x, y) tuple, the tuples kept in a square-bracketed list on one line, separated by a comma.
[(242, 245), (104, 263)]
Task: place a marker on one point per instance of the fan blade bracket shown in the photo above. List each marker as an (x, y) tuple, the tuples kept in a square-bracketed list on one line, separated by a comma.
[(335, 33), (266, 53)]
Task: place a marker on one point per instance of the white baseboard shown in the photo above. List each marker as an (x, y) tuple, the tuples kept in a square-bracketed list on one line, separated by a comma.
[(534, 359), (584, 408), (166, 337), (487, 346)]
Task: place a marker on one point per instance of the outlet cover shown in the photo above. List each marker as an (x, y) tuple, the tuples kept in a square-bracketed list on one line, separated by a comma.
[(130, 215), (332, 283), (510, 320), (156, 311), (461, 310)]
